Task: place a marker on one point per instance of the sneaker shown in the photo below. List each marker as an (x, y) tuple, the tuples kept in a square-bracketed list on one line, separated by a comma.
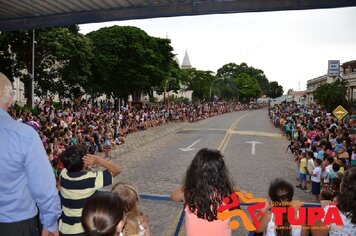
[(298, 186)]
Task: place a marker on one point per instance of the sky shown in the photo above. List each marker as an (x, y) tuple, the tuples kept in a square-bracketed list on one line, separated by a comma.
[(291, 47)]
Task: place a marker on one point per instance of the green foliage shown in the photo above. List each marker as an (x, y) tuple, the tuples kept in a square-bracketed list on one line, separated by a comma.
[(248, 87), (276, 90), (128, 61), (231, 71), (61, 59), (199, 81), (329, 96)]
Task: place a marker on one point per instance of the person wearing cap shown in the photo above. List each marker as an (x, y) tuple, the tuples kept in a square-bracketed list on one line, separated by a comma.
[(24, 190)]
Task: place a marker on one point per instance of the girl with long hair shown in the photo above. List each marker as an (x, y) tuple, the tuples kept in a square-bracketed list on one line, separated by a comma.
[(206, 183), (136, 221)]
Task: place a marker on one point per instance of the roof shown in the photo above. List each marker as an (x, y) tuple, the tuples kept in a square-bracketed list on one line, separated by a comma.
[(296, 93), (29, 14), (349, 63), (186, 61)]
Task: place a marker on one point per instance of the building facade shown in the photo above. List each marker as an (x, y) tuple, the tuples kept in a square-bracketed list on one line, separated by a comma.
[(347, 72)]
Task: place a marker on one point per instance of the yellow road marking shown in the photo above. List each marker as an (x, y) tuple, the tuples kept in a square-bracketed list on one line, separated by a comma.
[(229, 132), (257, 133), (173, 225), (242, 132)]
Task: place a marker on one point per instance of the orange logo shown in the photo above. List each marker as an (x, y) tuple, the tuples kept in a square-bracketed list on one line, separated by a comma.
[(232, 202)]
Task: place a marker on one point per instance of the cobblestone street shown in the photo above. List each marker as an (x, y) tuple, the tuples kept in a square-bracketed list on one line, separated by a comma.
[(152, 160)]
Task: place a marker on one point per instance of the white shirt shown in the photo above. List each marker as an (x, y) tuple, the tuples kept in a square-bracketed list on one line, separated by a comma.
[(347, 229), (317, 172), (271, 228), (325, 173), (310, 165)]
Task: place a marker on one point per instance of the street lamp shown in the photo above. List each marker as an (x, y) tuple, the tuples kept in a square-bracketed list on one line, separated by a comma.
[(211, 86)]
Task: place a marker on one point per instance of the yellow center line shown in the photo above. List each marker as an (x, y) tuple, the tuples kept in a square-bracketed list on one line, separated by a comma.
[(229, 133)]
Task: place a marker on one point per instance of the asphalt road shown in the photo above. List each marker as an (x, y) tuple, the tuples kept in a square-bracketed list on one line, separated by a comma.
[(158, 166)]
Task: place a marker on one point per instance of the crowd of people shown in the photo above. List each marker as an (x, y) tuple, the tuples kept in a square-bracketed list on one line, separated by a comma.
[(323, 146), (102, 125), (74, 206)]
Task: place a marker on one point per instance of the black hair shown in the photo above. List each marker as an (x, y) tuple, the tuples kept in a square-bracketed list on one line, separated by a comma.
[(347, 197), (318, 161), (330, 159), (326, 195), (72, 157), (101, 214), (206, 183), (336, 167), (281, 191)]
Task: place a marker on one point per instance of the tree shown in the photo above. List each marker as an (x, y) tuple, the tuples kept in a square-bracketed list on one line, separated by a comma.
[(248, 87), (64, 66), (61, 59), (199, 81), (128, 61), (276, 90), (232, 70), (329, 96)]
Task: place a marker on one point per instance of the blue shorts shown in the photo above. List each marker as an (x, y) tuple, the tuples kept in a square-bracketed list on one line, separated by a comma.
[(302, 176), (315, 188)]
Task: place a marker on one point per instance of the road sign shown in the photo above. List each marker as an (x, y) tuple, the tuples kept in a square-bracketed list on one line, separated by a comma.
[(334, 68), (340, 112)]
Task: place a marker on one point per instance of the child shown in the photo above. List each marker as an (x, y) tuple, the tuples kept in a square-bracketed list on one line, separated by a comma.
[(103, 215), (303, 172), (310, 166), (77, 185), (136, 221), (280, 192), (316, 178), (206, 183)]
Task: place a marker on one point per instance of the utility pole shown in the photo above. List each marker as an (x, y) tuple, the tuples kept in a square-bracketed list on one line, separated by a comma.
[(33, 71)]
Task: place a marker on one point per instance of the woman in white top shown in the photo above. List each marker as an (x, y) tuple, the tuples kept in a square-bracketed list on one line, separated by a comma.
[(281, 194), (346, 204)]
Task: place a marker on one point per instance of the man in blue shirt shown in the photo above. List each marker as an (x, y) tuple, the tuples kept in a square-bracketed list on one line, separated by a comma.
[(27, 182)]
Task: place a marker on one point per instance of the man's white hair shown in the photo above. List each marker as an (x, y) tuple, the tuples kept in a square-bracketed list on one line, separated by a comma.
[(6, 91)]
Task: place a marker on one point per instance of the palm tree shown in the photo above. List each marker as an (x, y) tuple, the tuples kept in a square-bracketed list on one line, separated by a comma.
[(329, 96)]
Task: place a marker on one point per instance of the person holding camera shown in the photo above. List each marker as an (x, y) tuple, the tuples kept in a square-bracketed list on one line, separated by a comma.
[(77, 185)]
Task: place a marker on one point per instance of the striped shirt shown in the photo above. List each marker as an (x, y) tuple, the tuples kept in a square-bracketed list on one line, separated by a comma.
[(76, 189)]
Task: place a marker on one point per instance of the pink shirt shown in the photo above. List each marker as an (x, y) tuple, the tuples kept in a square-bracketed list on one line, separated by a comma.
[(195, 226)]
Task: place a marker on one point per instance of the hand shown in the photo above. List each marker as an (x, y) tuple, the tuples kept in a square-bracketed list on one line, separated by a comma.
[(45, 232), (146, 225), (90, 160)]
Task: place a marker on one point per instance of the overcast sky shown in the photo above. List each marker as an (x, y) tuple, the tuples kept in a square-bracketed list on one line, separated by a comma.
[(289, 46)]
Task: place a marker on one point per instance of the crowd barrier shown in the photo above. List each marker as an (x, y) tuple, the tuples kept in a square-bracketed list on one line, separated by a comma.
[(178, 228)]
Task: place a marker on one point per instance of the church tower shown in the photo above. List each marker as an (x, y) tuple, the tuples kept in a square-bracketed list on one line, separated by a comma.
[(186, 62)]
